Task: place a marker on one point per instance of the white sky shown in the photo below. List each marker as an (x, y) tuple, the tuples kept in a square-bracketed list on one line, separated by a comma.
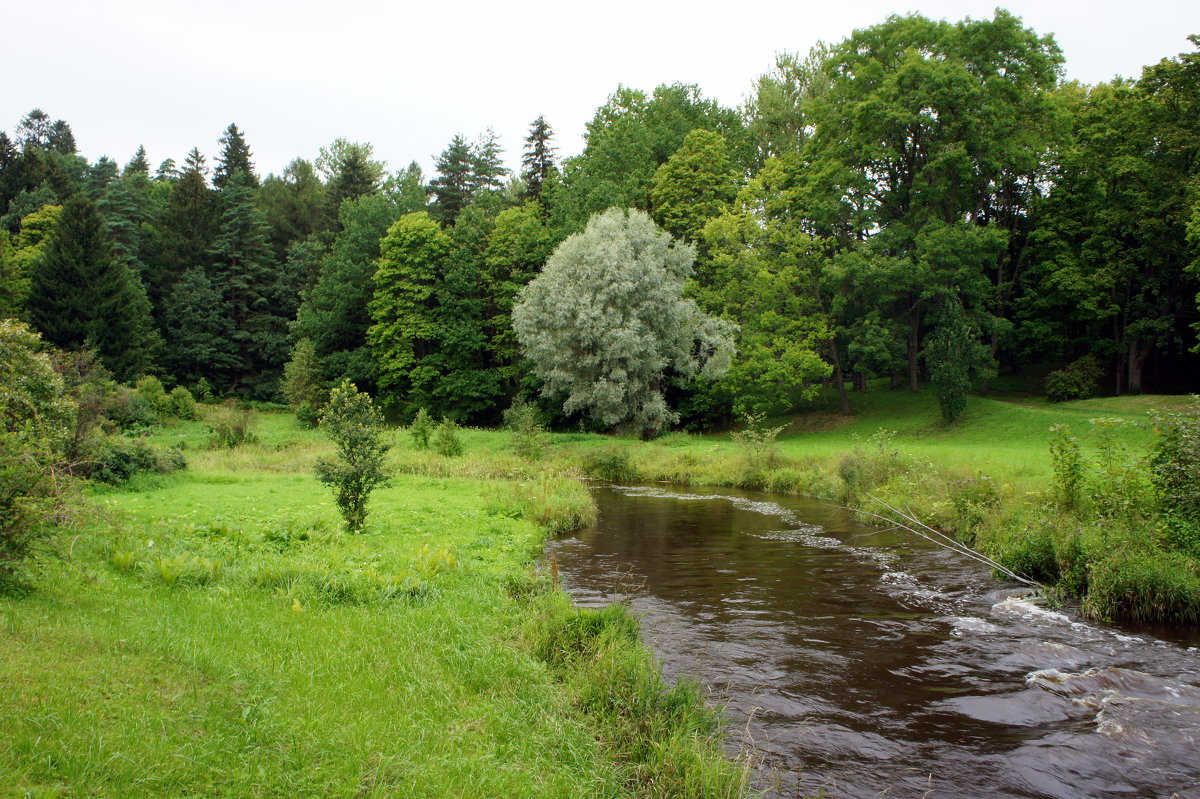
[(172, 74)]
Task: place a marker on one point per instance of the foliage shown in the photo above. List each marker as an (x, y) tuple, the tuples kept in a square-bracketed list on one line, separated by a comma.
[(527, 433), (182, 404), (421, 429), (611, 463), (445, 440), (696, 184), (1175, 474), (1078, 380), (118, 459), (758, 443), (605, 322), (34, 419), (151, 390), (303, 386), (355, 426), (1066, 459), (231, 424)]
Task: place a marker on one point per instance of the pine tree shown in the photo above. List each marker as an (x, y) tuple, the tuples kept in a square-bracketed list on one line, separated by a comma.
[(350, 171), (243, 269), (167, 171), (487, 167), (138, 165), (234, 157), (538, 160), (199, 331), (184, 232), (452, 186), (81, 296)]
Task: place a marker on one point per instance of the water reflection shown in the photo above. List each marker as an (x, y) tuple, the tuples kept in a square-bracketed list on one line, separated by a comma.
[(860, 663)]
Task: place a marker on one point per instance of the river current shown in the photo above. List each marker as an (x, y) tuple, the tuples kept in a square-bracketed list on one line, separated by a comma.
[(854, 662)]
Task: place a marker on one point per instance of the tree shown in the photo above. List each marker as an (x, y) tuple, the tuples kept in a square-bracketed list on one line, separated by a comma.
[(334, 313), (294, 204), (350, 171), (606, 322), (199, 331), (35, 417), (303, 387), (244, 270), (234, 157), (537, 162), (355, 425), (184, 230), (403, 308), (455, 180), (695, 185), (82, 296), (956, 358)]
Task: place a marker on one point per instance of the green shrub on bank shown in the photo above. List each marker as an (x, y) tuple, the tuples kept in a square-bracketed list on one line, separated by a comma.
[(1078, 380), (231, 425), (183, 404), (611, 463)]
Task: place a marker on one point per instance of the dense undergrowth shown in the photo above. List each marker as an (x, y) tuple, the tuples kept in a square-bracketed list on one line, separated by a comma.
[(215, 632)]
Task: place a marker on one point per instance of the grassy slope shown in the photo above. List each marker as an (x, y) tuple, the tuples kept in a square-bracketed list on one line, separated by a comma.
[(215, 634)]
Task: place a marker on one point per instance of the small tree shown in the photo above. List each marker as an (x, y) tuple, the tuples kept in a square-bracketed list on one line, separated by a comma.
[(355, 425), (445, 440), (526, 431), (421, 429), (303, 387)]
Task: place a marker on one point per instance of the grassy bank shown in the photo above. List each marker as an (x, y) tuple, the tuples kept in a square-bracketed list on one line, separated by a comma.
[(213, 632), (988, 480)]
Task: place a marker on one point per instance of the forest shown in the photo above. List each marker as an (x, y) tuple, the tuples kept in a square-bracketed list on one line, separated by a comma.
[(925, 201)]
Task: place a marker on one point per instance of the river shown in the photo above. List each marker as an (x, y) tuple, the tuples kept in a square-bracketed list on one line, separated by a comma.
[(855, 662)]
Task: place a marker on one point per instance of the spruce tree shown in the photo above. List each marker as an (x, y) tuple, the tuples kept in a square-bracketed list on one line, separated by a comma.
[(82, 296), (350, 170), (452, 186), (538, 161), (199, 331), (243, 269), (138, 165), (487, 167), (234, 157), (185, 230)]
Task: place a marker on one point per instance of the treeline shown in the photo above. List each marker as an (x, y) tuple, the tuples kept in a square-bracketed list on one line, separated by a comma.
[(922, 201)]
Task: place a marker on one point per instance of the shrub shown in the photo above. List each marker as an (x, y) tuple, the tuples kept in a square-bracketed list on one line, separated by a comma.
[(35, 417), (151, 389), (355, 425), (757, 442), (1175, 474), (118, 459), (183, 404), (610, 463), (1066, 460), (129, 411), (1078, 380), (303, 387), (974, 499), (445, 439), (527, 434), (231, 425), (421, 429)]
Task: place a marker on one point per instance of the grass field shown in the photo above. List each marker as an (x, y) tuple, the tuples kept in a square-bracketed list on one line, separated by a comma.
[(214, 633)]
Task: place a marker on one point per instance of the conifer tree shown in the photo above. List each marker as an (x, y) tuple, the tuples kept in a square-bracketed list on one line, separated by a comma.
[(234, 157), (243, 269), (138, 165), (452, 186), (199, 331), (487, 167), (185, 230), (538, 161), (350, 170), (81, 296)]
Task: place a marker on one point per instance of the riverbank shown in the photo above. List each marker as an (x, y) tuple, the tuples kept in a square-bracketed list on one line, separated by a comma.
[(1093, 532), (214, 633)]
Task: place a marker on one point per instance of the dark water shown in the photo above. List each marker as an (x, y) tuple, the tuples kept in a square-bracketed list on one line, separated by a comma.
[(861, 664)]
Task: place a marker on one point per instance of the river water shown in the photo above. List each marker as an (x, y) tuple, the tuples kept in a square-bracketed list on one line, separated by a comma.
[(858, 663)]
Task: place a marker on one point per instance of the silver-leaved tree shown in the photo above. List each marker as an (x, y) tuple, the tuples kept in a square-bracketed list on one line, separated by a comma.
[(606, 322)]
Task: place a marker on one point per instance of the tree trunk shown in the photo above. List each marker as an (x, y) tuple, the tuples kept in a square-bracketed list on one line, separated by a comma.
[(840, 379), (914, 351)]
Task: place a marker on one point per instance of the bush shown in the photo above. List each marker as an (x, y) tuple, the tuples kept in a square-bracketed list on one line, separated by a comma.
[(1066, 460), (1078, 380), (355, 425), (308, 414), (1175, 474), (974, 499), (421, 429), (303, 387), (445, 439), (119, 459), (758, 445), (527, 434), (35, 417), (610, 463), (231, 425), (129, 411), (151, 389), (183, 404)]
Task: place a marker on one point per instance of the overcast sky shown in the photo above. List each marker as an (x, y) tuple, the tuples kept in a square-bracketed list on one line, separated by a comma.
[(172, 74)]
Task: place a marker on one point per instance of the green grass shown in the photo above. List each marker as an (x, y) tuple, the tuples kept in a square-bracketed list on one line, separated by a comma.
[(215, 633)]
